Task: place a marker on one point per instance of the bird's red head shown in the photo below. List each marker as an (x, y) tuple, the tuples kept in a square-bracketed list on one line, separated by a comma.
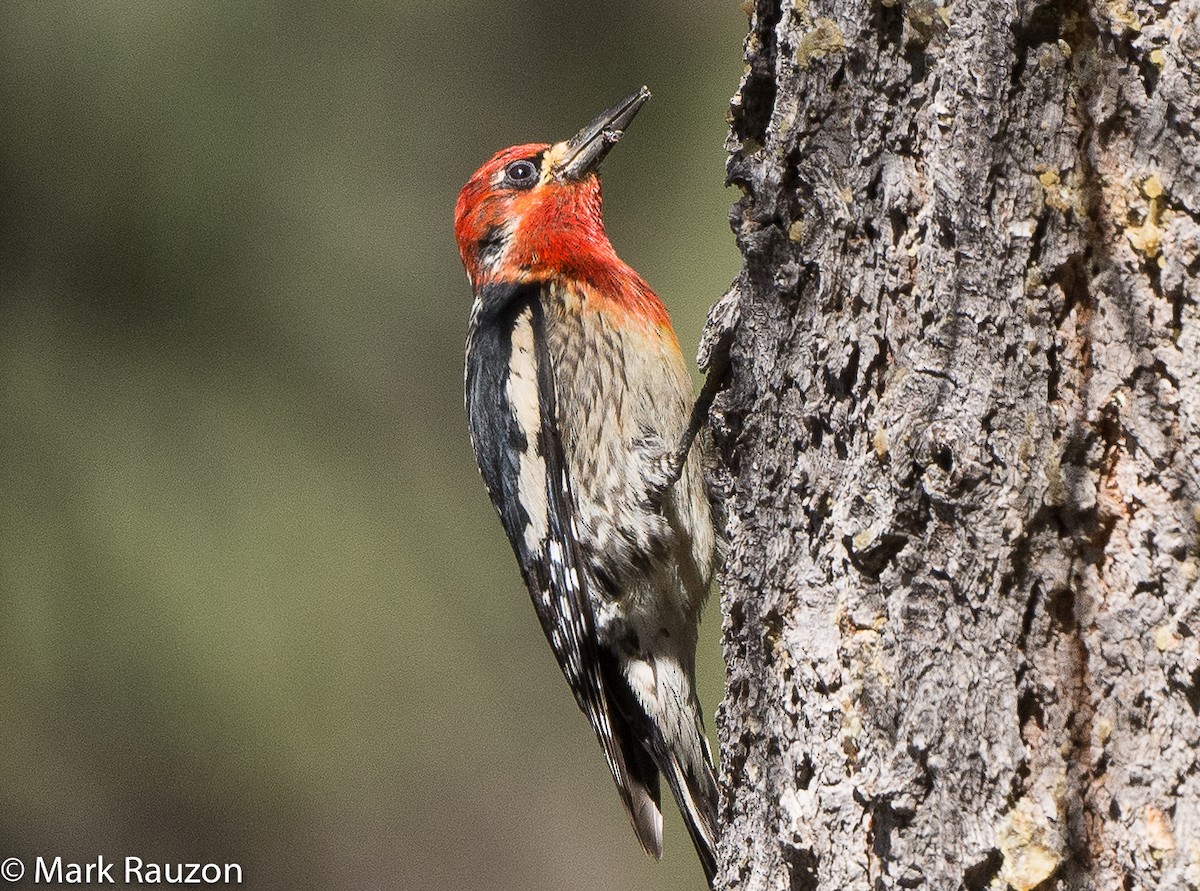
[(532, 213)]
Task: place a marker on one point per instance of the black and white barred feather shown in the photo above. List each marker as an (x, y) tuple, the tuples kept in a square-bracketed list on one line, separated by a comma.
[(510, 399)]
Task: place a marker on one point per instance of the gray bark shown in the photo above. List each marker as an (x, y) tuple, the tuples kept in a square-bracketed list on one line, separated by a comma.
[(961, 430)]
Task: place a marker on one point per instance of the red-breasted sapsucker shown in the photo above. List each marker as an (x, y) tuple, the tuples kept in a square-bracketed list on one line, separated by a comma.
[(577, 396)]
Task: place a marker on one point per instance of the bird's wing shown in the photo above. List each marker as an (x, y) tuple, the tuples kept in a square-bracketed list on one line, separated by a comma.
[(510, 395)]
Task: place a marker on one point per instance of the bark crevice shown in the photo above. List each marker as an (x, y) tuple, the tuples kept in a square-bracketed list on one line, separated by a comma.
[(962, 434)]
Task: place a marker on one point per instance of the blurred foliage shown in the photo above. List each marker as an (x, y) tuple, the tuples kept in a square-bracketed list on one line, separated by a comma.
[(256, 605)]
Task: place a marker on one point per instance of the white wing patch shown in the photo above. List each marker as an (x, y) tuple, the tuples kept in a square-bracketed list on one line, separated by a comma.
[(522, 389)]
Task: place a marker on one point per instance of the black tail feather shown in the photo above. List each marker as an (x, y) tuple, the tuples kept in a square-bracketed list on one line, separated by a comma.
[(697, 800), (645, 797), (647, 754)]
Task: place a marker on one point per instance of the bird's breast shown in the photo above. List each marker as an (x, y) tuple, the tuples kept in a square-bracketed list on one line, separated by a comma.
[(617, 380)]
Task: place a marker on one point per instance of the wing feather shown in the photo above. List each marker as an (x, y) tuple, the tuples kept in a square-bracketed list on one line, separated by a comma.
[(510, 396)]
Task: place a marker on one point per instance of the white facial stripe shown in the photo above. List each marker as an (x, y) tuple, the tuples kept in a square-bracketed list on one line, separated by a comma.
[(551, 159), (522, 391)]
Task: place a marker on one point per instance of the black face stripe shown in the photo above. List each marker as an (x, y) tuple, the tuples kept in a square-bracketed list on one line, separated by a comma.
[(491, 245)]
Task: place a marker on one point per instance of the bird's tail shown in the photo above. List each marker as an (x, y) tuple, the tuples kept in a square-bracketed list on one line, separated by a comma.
[(641, 789), (694, 785), (659, 725)]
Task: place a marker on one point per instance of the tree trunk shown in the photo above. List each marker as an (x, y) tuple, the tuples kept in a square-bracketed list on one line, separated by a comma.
[(961, 428)]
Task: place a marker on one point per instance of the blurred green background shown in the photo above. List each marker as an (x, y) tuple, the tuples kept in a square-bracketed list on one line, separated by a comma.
[(256, 606)]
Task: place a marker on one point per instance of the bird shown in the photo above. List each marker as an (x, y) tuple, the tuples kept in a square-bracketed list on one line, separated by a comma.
[(578, 402)]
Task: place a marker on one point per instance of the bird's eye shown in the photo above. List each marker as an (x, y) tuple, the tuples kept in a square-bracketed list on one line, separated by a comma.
[(521, 174)]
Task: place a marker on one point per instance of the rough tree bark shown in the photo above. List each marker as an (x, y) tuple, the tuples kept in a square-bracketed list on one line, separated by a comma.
[(962, 437)]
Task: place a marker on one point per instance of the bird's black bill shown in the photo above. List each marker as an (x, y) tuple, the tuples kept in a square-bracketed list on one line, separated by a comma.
[(587, 148)]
